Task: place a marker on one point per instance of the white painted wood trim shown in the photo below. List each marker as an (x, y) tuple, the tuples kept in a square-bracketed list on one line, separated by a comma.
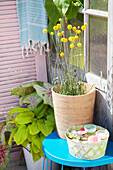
[(93, 11), (97, 13), (110, 58), (97, 81), (86, 37)]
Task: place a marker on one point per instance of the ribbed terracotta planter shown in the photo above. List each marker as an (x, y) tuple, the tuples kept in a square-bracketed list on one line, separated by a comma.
[(73, 110)]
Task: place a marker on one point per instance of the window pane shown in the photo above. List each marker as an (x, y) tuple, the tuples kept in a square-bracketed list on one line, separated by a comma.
[(99, 5), (78, 53), (98, 45)]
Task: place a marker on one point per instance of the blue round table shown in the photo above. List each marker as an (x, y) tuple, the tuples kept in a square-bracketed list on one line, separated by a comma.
[(56, 149)]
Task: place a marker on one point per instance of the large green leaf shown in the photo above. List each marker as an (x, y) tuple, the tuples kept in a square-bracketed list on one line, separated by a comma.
[(37, 141), (45, 93), (25, 143), (10, 125), (17, 110), (72, 11), (35, 148), (43, 112), (52, 11), (62, 5), (12, 134), (25, 117), (34, 128), (21, 134), (25, 89), (32, 100), (22, 91), (36, 156), (45, 126), (29, 136)]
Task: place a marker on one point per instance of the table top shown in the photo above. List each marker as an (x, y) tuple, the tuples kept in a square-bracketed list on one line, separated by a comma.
[(56, 149)]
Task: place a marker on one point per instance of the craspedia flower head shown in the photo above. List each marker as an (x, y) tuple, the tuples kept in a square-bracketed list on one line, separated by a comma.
[(71, 38), (59, 34), (76, 37), (76, 31), (62, 32), (44, 31), (85, 24), (72, 45), (78, 27), (62, 54), (79, 44), (60, 19), (64, 39), (79, 32), (55, 28), (74, 28), (51, 33), (69, 27), (83, 27), (59, 25)]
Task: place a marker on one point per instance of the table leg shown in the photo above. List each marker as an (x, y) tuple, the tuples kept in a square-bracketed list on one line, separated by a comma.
[(62, 167), (50, 165), (47, 164), (83, 168), (43, 162)]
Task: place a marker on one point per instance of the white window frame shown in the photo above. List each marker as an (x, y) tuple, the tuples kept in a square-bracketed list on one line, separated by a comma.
[(98, 81)]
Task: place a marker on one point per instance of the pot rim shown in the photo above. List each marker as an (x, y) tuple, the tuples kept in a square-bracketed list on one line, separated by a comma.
[(93, 89), (89, 144)]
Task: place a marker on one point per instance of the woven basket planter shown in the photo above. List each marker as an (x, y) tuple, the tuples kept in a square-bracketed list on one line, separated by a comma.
[(87, 151), (73, 110)]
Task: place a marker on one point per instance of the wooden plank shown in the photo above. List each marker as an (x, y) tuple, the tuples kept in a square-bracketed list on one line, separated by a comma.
[(9, 34), (4, 25), (10, 74), (17, 65), (19, 76), (8, 62), (13, 20), (18, 69), (5, 46), (9, 12), (18, 80), (7, 16), (7, 3), (10, 41)]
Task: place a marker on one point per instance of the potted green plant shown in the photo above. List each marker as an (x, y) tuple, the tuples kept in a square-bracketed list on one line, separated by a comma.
[(73, 98), (34, 123), (4, 147)]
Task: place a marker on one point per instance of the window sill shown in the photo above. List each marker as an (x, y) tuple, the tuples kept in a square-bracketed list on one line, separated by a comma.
[(97, 81)]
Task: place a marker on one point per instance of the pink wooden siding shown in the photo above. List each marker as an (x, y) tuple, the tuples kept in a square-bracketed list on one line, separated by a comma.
[(14, 71)]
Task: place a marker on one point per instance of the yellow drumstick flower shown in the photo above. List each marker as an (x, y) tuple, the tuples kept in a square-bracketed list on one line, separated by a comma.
[(74, 28), (60, 19), (79, 44), (55, 28), (59, 25), (64, 39), (59, 34), (69, 27), (76, 37), (83, 27), (62, 54), (44, 31), (52, 33), (71, 38), (72, 45)]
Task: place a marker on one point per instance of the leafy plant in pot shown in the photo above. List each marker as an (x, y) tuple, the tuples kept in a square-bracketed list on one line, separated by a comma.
[(73, 98), (4, 147), (34, 123)]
